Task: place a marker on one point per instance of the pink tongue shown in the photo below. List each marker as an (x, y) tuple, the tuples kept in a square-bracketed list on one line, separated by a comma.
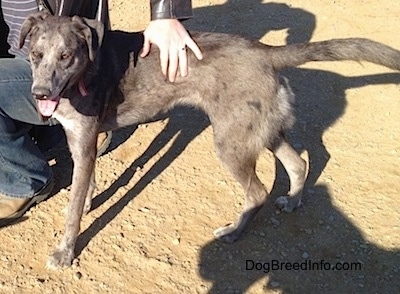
[(47, 107)]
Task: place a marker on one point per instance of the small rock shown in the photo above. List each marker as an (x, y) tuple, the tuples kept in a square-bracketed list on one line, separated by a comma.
[(176, 241), (144, 209), (77, 275), (116, 246), (135, 144), (305, 255), (262, 234), (274, 284), (297, 146), (274, 221), (308, 231), (75, 264)]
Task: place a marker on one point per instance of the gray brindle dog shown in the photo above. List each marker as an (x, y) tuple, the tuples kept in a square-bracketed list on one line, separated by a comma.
[(92, 81)]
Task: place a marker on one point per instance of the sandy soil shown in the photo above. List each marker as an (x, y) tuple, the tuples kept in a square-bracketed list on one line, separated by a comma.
[(161, 190)]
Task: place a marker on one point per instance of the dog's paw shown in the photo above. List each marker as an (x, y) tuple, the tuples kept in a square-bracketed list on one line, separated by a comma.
[(227, 234), (287, 204), (60, 259)]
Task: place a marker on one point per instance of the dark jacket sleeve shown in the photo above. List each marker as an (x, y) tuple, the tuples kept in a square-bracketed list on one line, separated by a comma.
[(179, 9)]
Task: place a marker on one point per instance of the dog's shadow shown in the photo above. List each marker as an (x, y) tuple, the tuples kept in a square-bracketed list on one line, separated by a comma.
[(318, 233), (331, 254), (188, 123)]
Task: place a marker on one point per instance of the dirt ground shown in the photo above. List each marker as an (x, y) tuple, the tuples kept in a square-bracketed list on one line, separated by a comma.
[(161, 190)]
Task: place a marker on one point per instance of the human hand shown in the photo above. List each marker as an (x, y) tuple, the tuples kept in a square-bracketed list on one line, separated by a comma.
[(171, 38)]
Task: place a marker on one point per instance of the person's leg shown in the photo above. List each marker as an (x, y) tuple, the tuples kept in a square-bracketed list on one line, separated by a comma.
[(24, 171)]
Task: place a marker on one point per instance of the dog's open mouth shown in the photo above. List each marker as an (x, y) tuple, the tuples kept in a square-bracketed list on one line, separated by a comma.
[(47, 105)]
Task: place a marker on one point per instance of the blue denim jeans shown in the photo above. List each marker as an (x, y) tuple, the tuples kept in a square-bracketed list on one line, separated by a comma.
[(23, 168)]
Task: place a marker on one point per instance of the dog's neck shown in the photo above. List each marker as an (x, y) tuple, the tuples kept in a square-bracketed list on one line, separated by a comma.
[(83, 81)]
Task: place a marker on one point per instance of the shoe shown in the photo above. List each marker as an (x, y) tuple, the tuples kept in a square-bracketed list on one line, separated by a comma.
[(12, 208), (103, 142)]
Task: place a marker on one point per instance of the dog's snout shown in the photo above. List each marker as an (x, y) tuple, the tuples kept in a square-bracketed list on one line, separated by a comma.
[(40, 93)]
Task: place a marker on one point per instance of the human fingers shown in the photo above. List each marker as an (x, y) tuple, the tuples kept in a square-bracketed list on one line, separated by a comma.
[(173, 63), (183, 62), (164, 60)]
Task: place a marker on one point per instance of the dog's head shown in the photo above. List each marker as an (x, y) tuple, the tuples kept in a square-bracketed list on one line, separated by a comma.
[(60, 49)]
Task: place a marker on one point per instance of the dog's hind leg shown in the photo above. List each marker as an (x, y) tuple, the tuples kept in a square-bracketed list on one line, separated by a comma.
[(296, 168), (241, 162)]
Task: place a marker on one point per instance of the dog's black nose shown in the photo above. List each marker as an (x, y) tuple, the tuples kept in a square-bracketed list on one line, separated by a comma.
[(40, 93), (39, 97)]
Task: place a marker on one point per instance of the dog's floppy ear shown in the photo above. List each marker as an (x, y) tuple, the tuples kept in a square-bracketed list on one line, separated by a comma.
[(31, 21), (92, 31)]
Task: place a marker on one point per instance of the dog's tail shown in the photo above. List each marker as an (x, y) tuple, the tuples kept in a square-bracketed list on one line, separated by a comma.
[(356, 49)]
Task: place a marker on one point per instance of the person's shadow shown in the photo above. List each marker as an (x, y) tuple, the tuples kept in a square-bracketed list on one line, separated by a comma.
[(254, 19)]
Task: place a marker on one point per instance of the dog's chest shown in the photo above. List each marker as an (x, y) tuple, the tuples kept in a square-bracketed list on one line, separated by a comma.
[(67, 123), (69, 117)]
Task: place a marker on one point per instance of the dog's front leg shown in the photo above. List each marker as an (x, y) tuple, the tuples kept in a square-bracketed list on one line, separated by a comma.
[(82, 144)]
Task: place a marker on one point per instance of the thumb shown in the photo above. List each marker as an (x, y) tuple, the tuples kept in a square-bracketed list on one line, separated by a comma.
[(196, 50)]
